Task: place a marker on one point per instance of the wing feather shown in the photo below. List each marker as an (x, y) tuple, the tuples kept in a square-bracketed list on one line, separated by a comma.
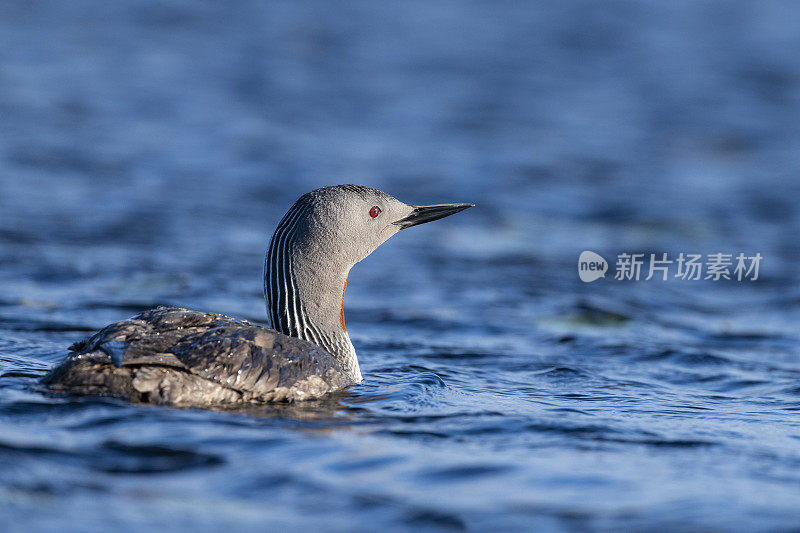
[(178, 354)]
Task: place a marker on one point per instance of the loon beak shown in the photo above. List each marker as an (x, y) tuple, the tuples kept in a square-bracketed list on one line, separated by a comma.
[(428, 213)]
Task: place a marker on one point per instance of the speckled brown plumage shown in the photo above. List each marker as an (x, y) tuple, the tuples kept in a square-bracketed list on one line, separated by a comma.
[(180, 357)]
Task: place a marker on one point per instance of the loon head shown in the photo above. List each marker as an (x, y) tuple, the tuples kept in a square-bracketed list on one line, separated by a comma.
[(315, 244)]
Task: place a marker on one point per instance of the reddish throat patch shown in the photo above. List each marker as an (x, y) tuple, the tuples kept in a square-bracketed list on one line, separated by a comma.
[(341, 312)]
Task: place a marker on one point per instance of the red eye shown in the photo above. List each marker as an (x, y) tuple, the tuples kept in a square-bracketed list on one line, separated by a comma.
[(375, 211)]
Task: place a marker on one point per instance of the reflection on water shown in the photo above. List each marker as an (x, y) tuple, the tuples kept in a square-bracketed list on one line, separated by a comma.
[(147, 150)]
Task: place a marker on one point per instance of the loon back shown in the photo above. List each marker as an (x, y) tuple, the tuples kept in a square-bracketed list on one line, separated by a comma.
[(179, 357)]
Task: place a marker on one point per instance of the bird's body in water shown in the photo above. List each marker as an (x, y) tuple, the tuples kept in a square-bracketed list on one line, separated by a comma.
[(175, 356)]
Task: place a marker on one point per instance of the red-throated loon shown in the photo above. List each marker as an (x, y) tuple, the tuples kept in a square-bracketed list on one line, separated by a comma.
[(175, 356)]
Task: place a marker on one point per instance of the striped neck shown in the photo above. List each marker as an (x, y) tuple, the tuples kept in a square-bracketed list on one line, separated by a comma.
[(304, 291)]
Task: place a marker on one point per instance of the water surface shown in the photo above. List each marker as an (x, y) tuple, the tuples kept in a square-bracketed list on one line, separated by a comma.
[(148, 149)]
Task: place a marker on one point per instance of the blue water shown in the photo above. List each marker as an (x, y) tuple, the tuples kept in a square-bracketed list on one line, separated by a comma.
[(147, 150)]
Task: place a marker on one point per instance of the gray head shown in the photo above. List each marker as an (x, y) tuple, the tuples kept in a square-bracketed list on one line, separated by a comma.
[(320, 238)]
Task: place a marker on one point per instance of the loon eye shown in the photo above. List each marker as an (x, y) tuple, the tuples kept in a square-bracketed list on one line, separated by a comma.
[(375, 211)]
